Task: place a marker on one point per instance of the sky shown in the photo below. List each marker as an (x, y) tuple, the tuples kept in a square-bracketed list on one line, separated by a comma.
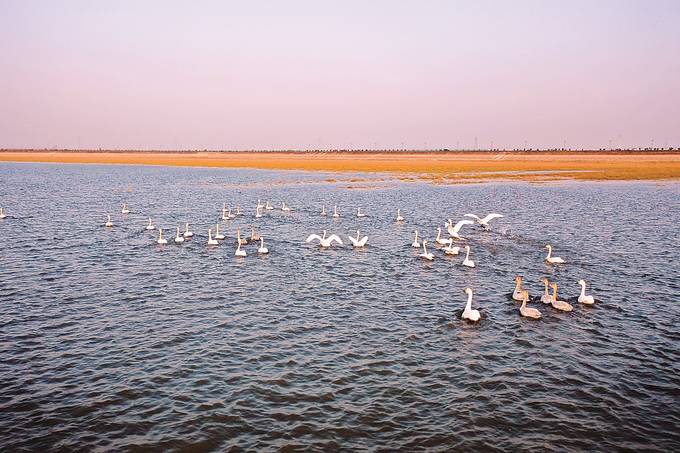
[(339, 74)]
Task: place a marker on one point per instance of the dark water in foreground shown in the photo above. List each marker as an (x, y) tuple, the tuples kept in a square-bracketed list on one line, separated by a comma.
[(111, 342)]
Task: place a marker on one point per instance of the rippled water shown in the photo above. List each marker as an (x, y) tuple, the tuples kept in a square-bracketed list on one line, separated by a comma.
[(111, 342)]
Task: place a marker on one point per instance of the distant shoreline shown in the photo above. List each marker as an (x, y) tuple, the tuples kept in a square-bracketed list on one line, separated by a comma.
[(443, 166)]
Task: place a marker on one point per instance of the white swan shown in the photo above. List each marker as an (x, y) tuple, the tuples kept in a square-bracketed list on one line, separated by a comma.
[(335, 211), (546, 298), (262, 249), (254, 236), (108, 223), (416, 244), (451, 250), (399, 217), (485, 221), (425, 255), (218, 235), (187, 233), (150, 226), (324, 241), (588, 300), (229, 214), (239, 252), (528, 312), (258, 214), (239, 239), (470, 314), (2, 214), (224, 212), (161, 240), (323, 210), (453, 230), (467, 261), (125, 209), (211, 241), (359, 213), (284, 208), (552, 259), (559, 304), (259, 204), (439, 239), (356, 242), (238, 210), (178, 239), (268, 206), (518, 293)]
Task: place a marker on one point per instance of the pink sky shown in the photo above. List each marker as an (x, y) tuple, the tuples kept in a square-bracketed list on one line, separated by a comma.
[(321, 74)]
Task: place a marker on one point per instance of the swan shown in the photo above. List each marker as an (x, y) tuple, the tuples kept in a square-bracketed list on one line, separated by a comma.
[(268, 206), (253, 235), (335, 211), (528, 312), (324, 241), (451, 250), (559, 304), (108, 223), (416, 244), (187, 233), (258, 214), (150, 226), (259, 204), (425, 255), (323, 210), (552, 259), (467, 261), (125, 209), (239, 239), (399, 217), (470, 314), (230, 215), (441, 241), (588, 300), (262, 249), (518, 293), (161, 240), (284, 208), (218, 235), (485, 221), (453, 230), (356, 242), (211, 241), (178, 239), (238, 210), (359, 213), (546, 298), (239, 252), (224, 212), (2, 214)]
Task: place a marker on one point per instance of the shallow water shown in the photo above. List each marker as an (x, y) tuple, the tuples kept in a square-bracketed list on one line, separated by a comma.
[(111, 342)]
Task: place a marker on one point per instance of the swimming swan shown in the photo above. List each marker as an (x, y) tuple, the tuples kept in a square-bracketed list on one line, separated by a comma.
[(467, 261), (262, 249), (453, 230), (441, 241), (552, 259), (451, 250), (323, 210), (335, 211), (239, 239), (359, 213), (324, 241), (588, 300), (254, 236), (425, 255), (258, 214), (399, 217), (239, 252), (2, 214), (546, 298), (356, 242), (284, 208), (528, 312), (187, 233), (218, 235), (150, 226), (416, 244), (108, 223), (485, 221), (161, 240), (518, 293), (559, 304), (268, 207), (470, 314), (125, 209), (211, 241), (178, 239)]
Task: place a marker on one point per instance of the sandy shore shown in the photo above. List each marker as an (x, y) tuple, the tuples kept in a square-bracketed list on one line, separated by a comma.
[(436, 166)]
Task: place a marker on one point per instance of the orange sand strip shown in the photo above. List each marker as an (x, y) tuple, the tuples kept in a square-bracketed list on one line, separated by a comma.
[(438, 166)]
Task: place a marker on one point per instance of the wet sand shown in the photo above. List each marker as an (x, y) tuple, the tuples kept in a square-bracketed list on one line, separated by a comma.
[(436, 166)]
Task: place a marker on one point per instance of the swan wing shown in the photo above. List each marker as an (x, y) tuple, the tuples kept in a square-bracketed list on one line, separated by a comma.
[(454, 231), (313, 237), (490, 217), (353, 241), (363, 241), (335, 238)]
